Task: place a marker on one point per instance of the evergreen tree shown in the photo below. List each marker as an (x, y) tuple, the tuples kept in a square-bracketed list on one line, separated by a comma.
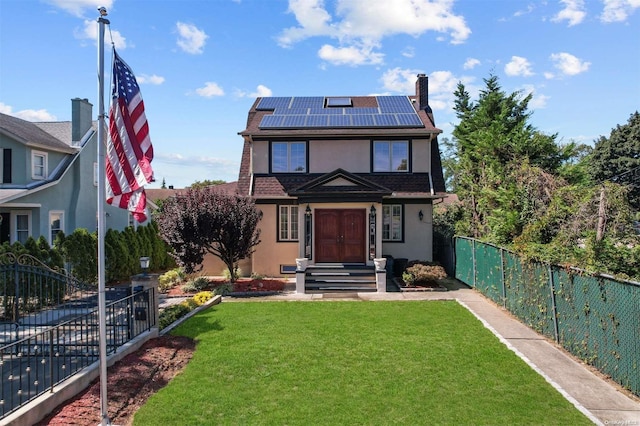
[(617, 158)]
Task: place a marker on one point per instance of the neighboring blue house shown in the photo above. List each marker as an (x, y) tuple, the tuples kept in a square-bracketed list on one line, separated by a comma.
[(48, 177)]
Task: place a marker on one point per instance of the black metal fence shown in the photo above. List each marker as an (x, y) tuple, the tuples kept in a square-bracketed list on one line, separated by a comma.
[(49, 327), (594, 317)]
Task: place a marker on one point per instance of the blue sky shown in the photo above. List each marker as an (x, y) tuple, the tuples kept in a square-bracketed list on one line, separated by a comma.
[(200, 64)]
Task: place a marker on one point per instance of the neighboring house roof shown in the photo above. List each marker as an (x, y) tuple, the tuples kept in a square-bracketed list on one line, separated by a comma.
[(36, 135), (33, 134), (156, 194)]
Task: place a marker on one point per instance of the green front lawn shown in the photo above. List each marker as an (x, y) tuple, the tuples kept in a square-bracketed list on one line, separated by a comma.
[(347, 363)]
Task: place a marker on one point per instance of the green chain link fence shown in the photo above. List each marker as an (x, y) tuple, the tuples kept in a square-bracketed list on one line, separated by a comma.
[(596, 318)]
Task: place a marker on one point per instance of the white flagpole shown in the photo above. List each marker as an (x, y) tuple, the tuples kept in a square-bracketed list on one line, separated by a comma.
[(104, 414)]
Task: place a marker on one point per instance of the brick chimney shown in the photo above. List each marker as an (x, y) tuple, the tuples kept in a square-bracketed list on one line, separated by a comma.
[(81, 119), (422, 92)]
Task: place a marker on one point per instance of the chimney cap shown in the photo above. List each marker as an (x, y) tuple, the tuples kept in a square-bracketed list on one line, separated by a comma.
[(422, 75)]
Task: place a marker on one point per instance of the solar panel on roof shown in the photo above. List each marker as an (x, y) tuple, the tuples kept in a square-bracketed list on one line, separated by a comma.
[(387, 120), (395, 104), (294, 120), (409, 119), (307, 102), (332, 111), (362, 120), (273, 103), (363, 110), (339, 121), (318, 121), (291, 111), (271, 121)]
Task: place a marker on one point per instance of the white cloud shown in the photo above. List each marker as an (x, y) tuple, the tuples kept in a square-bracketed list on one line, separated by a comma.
[(149, 79), (471, 63), (351, 55), (28, 114), (190, 38), (89, 31), (442, 85), (518, 66), (538, 100), (365, 24), (81, 8), (400, 80), (408, 52), (210, 90), (569, 64), (261, 92), (573, 12), (618, 10)]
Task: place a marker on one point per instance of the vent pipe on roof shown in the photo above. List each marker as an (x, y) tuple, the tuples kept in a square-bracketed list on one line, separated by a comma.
[(422, 92)]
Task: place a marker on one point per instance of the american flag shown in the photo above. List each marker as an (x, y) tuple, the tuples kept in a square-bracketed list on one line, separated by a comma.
[(129, 149)]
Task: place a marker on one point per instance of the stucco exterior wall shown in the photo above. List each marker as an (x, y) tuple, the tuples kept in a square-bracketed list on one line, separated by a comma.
[(421, 156), (418, 236), (214, 267), (270, 253), (328, 155)]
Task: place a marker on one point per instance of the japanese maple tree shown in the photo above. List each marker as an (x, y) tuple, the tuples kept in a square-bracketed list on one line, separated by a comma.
[(203, 220)]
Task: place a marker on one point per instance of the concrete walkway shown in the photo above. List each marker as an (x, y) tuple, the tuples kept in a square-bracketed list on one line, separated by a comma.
[(599, 399)]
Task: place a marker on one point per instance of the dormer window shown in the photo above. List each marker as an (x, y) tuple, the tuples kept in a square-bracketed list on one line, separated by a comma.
[(38, 165), (338, 102)]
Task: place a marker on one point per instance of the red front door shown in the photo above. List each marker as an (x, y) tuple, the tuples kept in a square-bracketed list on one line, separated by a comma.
[(340, 235)]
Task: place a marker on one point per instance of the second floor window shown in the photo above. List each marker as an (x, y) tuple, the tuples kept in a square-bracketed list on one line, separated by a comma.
[(38, 165), (391, 156), (288, 157)]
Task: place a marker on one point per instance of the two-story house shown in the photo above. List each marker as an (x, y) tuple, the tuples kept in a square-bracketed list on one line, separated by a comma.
[(341, 179), (48, 174)]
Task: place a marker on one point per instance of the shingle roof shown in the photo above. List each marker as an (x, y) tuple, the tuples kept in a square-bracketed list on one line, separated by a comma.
[(31, 134)]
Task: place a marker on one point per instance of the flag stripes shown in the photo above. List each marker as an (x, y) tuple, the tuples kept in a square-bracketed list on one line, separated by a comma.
[(129, 149)]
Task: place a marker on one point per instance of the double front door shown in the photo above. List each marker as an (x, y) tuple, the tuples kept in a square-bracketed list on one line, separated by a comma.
[(340, 235)]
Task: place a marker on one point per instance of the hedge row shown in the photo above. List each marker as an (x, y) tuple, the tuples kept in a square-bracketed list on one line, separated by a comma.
[(78, 252)]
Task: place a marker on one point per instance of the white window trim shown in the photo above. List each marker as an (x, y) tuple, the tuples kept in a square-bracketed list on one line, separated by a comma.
[(45, 160), (14, 223), (391, 239), (290, 216), (62, 227)]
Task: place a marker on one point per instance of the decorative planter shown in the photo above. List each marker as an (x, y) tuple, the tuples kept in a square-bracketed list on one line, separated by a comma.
[(301, 264), (380, 263)]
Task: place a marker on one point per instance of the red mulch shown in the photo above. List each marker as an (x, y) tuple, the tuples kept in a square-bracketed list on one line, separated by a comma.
[(130, 382), (242, 285)]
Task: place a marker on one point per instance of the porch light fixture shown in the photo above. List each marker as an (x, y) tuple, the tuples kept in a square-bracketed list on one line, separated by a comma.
[(420, 215), (144, 264), (307, 211), (373, 211)]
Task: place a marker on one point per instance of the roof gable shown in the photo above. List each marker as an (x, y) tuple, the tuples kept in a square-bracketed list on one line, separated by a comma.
[(339, 182), (30, 134)]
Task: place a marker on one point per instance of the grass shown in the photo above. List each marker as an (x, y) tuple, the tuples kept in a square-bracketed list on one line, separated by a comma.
[(345, 363)]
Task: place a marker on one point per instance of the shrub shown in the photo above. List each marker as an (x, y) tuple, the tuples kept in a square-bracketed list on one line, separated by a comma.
[(227, 275), (172, 314), (195, 285), (202, 297), (223, 289), (170, 279), (423, 273)]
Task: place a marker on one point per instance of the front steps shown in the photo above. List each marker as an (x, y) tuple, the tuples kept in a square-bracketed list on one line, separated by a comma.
[(340, 277)]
